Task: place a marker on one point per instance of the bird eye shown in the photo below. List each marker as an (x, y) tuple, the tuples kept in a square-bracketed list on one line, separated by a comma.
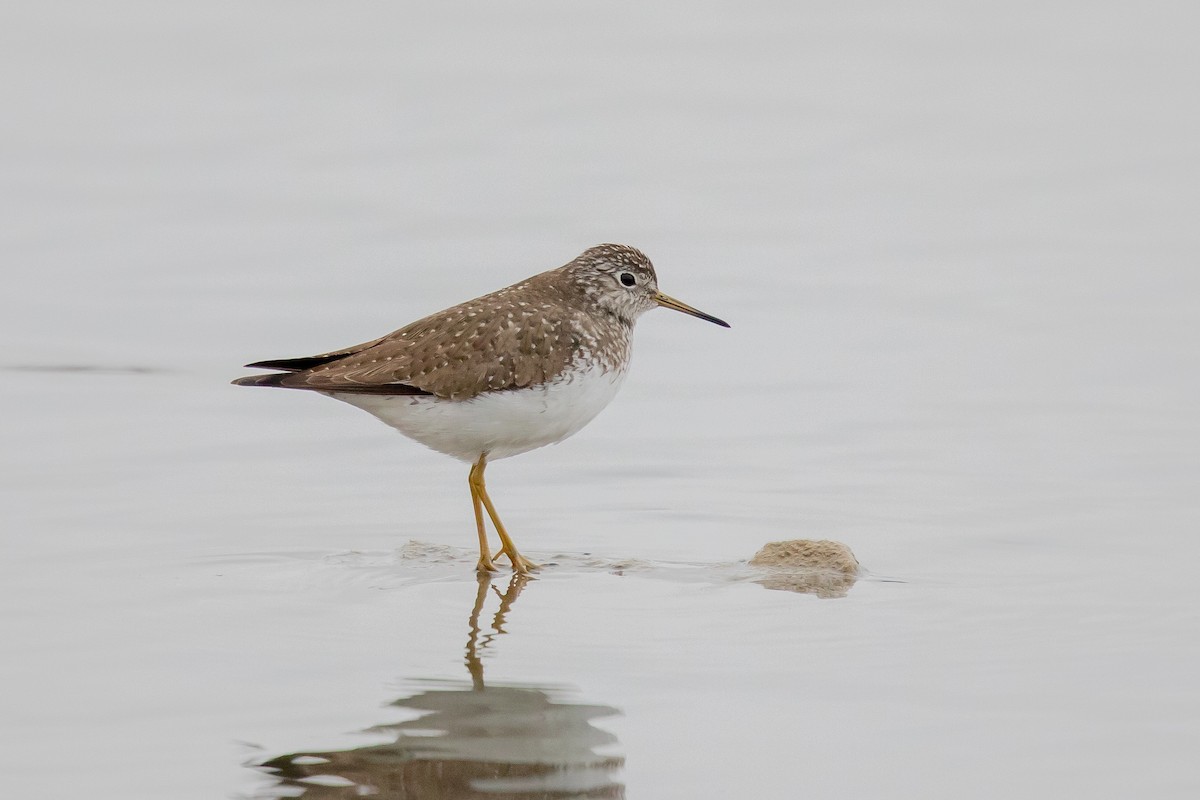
[(628, 279)]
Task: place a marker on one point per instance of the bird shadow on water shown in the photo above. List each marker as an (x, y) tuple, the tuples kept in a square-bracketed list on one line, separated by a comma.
[(513, 742)]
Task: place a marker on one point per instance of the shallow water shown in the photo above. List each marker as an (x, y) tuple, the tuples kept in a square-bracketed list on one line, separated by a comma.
[(958, 251)]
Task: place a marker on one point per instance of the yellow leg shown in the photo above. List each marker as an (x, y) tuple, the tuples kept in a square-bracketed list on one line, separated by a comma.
[(479, 490), (485, 559)]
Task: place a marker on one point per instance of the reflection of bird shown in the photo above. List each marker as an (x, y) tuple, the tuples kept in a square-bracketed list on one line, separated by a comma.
[(478, 743), (475, 648), (500, 375)]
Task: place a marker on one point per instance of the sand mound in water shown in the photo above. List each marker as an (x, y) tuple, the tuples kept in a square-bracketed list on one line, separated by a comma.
[(820, 567)]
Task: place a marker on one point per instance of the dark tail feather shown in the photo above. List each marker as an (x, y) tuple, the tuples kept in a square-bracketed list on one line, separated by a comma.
[(295, 364), (278, 378), (288, 365), (262, 380)]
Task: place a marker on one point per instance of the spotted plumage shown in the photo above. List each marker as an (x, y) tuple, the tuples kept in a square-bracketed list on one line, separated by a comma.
[(517, 369)]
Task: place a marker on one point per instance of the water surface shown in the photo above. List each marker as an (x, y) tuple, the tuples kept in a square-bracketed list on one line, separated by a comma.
[(957, 246)]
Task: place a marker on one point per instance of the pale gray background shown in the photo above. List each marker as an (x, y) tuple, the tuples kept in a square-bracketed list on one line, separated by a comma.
[(958, 246)]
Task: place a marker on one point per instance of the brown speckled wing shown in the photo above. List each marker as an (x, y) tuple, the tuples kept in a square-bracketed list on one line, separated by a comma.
[(506, 340)]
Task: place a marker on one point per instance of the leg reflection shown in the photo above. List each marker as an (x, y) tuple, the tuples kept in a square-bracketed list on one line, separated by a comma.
[(475, 647), (470, 743)]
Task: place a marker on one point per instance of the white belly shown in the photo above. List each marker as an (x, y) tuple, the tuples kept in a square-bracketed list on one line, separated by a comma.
[(500, 424)]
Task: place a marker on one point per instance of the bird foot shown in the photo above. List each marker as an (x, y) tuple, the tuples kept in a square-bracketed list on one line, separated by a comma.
[(486, 565), (521, 564)]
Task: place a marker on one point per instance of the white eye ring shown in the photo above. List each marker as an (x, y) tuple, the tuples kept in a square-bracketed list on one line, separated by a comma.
[(627, 279)]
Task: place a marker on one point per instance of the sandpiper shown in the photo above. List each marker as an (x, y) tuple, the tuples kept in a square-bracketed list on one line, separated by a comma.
[(500, 375)]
